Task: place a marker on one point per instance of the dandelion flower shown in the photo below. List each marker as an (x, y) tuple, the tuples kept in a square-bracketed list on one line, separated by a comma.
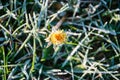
[(57, 37)]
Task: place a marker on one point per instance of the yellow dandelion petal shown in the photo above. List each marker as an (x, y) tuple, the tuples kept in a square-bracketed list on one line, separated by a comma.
[(58, 37)]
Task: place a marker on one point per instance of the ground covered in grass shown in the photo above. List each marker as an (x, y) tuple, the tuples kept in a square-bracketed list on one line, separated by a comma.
[(59, 39)]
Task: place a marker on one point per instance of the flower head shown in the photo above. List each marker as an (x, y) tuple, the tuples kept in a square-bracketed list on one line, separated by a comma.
[(57, 37)]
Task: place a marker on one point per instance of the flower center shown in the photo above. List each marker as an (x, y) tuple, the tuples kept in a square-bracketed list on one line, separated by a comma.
[(59, 37)]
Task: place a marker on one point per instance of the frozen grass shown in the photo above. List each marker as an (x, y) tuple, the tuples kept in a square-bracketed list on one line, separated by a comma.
[(92, 50)]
